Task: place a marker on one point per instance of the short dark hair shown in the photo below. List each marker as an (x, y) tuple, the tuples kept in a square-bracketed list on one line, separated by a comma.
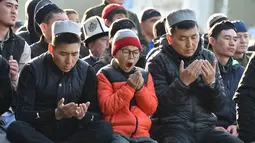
[(50, 15), (116, 11), (217, 28), (188, 24), (65, 38), (159, 28), (70, 11)]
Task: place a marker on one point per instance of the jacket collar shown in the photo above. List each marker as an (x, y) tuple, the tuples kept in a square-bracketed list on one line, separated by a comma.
[(229, 67), (117, 67), (43, 42), (9, 35)]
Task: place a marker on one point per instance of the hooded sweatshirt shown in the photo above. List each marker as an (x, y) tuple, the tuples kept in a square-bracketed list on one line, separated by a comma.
[(33, 32)]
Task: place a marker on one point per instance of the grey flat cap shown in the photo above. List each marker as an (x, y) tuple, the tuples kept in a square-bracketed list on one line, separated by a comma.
[(66, 26), (179, 16)]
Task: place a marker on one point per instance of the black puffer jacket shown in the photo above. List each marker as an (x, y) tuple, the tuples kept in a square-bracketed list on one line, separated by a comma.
[(245, 100), (5, 86), (42, 85), (190, 106)]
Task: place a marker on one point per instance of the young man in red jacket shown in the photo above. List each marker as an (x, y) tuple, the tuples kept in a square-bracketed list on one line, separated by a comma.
[(126, 93)]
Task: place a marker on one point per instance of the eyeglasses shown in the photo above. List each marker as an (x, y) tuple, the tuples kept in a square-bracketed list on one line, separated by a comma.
[(127, 53)]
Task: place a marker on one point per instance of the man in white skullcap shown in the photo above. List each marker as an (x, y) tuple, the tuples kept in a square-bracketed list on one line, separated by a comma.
[(57, 95)]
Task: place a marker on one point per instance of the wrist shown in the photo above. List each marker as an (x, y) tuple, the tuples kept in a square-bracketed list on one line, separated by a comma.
[(139, 88), (133, 86), (57, 116), (15, 78), (211, 84), (184, 83), (81, 117)]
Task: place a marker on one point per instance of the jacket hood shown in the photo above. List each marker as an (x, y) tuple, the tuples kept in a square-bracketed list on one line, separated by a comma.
[(31, 7), (30, 13)]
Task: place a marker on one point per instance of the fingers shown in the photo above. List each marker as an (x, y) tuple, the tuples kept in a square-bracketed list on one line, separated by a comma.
[(198, 68), (87, 104), (214, 65), (11, 57), (191, 66), (14, 69), (70, 109), (83, 108), (232, 129), (208, 65), (229, 129), (181, 66), (61, 102), (221, 129)]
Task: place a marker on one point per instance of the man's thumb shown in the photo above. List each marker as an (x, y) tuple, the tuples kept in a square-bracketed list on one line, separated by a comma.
[(214, 64), (11, 57), (182, 66), (61, 101), (87, 104)]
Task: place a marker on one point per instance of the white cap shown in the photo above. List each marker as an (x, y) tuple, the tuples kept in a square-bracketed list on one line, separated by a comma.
[(66, 26), (93, 27)]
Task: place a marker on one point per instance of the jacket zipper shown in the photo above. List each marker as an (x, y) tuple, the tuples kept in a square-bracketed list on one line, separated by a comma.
[(193, 114), (136, 123), (136, 126)]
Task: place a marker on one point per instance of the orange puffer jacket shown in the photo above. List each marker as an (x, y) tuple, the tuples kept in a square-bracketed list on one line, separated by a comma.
[(127, 110)]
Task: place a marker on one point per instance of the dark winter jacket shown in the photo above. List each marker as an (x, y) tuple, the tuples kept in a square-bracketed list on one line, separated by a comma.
[(90, 60), (231, 74), (17, 47), (5, 86), (42, 85), (157, 46), (245, 99), (39, 47), (180, 105)]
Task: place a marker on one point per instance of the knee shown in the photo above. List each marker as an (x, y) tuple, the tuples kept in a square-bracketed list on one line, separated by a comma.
[(15, 129), (16, 126), (105, 129)]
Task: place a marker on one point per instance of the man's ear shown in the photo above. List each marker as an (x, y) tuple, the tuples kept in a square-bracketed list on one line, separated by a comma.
[(50, 48), (43, 27), (212, 41), (169, 39)]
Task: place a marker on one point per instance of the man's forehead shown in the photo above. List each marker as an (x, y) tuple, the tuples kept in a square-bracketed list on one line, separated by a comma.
[(187, 32), (155, 18), (14, 2), (242, 33), (228, 32)]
